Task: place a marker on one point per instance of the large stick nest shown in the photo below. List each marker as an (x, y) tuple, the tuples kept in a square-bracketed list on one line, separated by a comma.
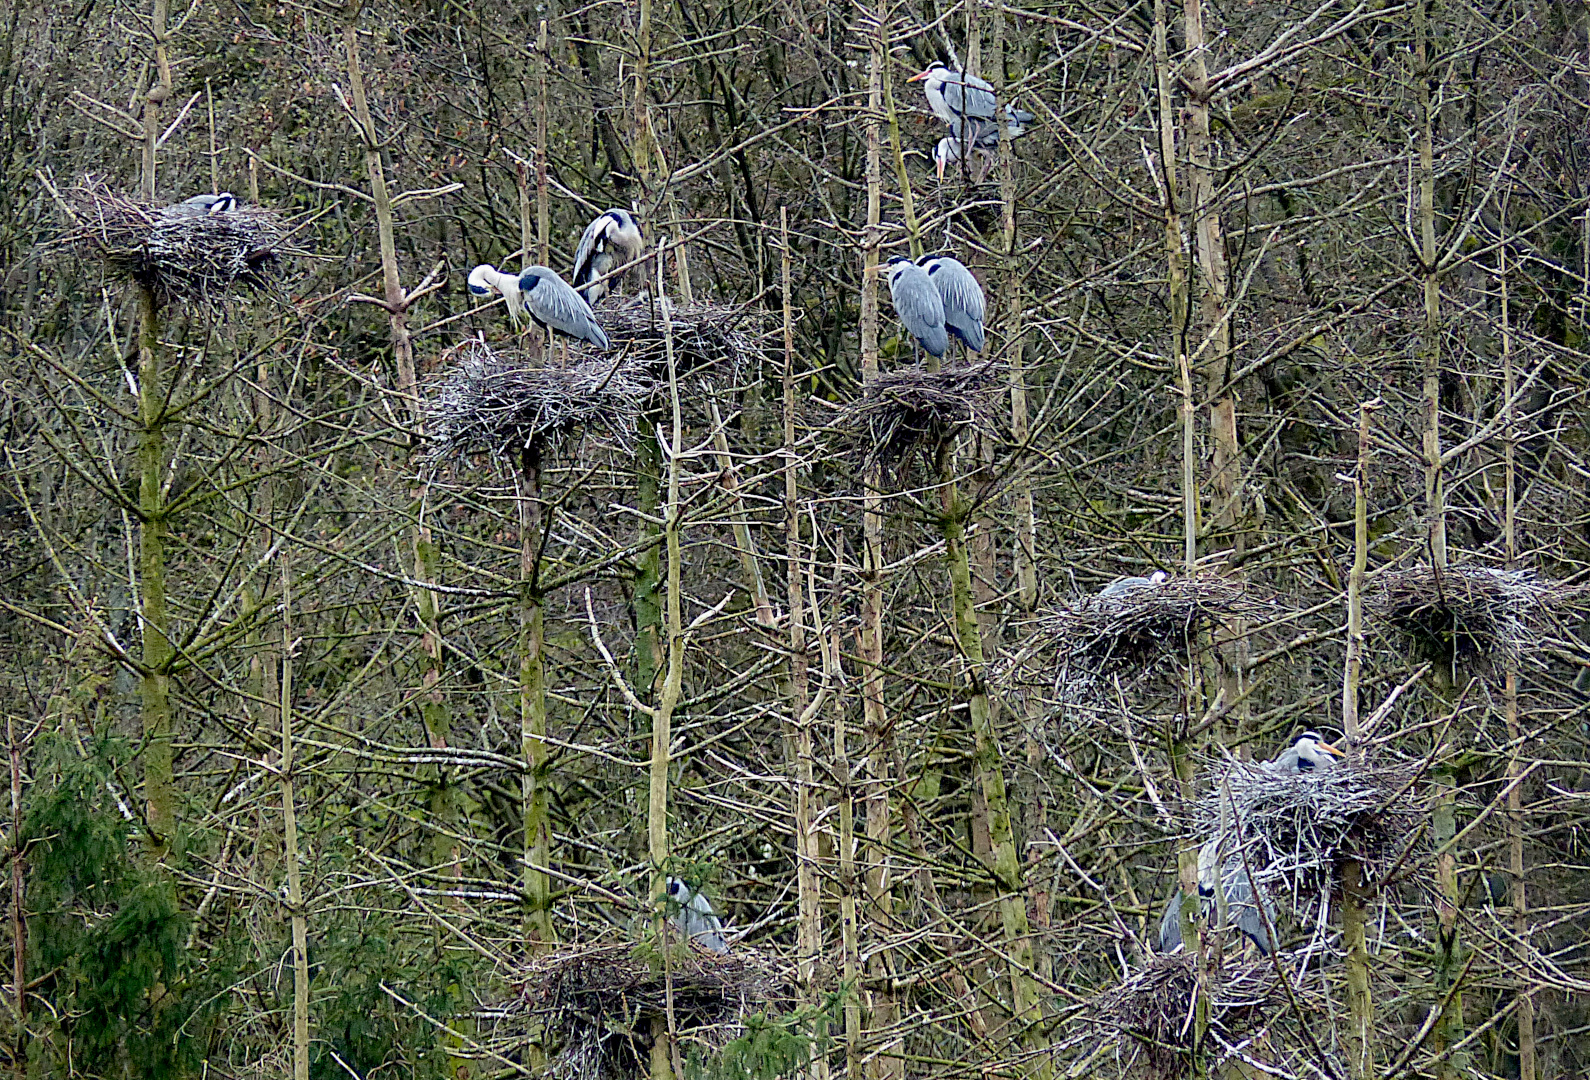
[(1154, 1005), (599, 1002), (192, 259), (1297, 829), (1468, 613), (911, 412), (497, 404), (712, 342)]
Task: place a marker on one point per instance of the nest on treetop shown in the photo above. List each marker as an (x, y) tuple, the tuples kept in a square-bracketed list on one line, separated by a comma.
[(599, 1001), (1154, 1006), (911, 412), (1297, 829), (194, 259), (1466, 613), (712, 342), (497, 404)]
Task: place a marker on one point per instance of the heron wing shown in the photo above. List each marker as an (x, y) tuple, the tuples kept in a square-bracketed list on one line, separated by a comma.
[(920, 308), (969, 96), (555, 304), (587, 250), (1170, 924), (964, 304), (1243, 910)]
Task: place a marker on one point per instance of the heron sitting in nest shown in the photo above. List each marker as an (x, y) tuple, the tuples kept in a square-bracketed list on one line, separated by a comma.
[(202, 205), (1122, 586)]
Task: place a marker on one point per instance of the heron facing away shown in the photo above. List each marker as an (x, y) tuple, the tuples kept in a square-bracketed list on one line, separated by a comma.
[(554, 305), (1241, 910), (1122, 586), (203, 205), (693, 918), (953, 96), (918, 304), (486, 279), (1308, 753), (964, 303), (608, 242)]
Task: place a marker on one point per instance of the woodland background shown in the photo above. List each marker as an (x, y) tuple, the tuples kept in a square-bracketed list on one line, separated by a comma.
[(289, 831)]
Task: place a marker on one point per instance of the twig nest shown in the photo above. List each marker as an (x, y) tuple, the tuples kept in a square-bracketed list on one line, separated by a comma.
[(1294, 830), (181, 258), (497, 404), (1465, 613), (599, 1001), (911, 411), (1154, 1006), (713, 342)]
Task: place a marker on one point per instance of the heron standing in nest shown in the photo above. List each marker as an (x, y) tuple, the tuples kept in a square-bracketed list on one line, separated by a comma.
[(918, 304), (555, 306), (964, 303), (607, 243), (692, 916)]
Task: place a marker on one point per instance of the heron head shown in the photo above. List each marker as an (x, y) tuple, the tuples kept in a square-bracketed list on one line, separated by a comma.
[(933, 69), (531, 278), (478, 283), (944, 153), (1308, 743), (1157, 577), (223, 202)]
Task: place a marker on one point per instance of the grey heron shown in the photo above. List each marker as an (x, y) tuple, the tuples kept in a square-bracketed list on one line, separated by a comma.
[(1241, 910), (486, 279), (608, 242), (948, 151), (953, 96), (203, 205), (691, 915), (1308, 753), (918, 304), (554, 305), (964, 303), (1122, 586)]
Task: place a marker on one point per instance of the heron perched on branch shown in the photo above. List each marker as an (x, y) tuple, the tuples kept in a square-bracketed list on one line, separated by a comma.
[(954, 96), (964, 303), (554, 305), (607, 243), (486, 279), (691, 915), (918, 304), (203, 205)]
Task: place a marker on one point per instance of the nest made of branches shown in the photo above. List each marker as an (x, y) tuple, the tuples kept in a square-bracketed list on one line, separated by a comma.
[(1466, 613), (497, 404), (1295, 830), (194, 259), (911, 412), (1154, 1005), (712, 342), (599, 1002)]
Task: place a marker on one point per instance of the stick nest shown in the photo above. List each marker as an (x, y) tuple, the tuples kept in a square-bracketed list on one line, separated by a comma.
[(1472, 614), (599, 1002), (181, 259), (911, 412), (1154, 1005), (1297, 829), (497, 404), (712, 342)]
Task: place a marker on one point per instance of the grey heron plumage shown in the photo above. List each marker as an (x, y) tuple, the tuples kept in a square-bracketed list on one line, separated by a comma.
[(1308, 753), (953, 96), (486, 279), (609, 242), (964, 303), (553, 304), (693, 918), (1241, 909), (1122, 586), (918, 304), (203, 205)]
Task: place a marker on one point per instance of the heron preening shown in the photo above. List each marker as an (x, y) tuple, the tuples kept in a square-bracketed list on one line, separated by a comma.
[(918, 304), (691, 915), (964, 303), (953, 96), (607, 243), (1122, 586), (486, 279), (554, 305), (203, 205)]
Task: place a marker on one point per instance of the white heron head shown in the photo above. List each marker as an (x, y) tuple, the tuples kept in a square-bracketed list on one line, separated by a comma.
[(936, 71), (1309, 746), (1158, 577), (480, 279), (223, 202)]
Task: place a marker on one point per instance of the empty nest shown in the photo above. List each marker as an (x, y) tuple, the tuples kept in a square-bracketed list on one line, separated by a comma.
[(181, 259), (1154, 1005), (713, 342), (908, 412), (1471, 614), (497, 404), (1297, 829), (598, 1002)]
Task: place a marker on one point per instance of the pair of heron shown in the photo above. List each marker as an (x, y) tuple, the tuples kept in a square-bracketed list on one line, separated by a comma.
[(609, 242), (1252, 915), (935, 297), (968, 105)]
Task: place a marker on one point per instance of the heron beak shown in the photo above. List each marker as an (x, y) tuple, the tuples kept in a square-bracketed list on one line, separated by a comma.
[(1329, 749), (940, 164), (919, 76)]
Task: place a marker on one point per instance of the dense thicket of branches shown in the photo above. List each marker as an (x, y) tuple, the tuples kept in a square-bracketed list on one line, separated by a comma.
[(313, 747)]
